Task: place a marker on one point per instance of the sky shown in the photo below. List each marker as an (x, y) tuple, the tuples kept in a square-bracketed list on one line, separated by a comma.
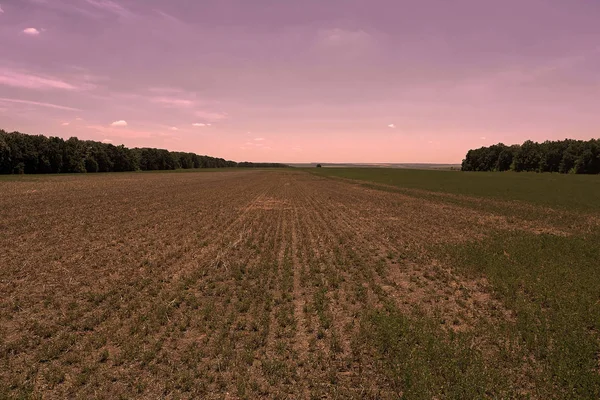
[(365, 81)]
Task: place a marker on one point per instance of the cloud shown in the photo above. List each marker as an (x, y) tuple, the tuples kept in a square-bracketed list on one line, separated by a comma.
[(199, 124), (164, 90), (174, 128), (168, 16), (111, 7), (393, 126), (258, 143), (1, 10), (343, 37), (31, 32), (66, 124), (107, 141), (37, 103), (172, 102), (121, 132), (65, 7), (119, 123), (482, 138), (210, 115), (31, 81), (513, 75)]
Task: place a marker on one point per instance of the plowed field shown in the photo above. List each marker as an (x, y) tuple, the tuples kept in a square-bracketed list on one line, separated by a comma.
[(272, 284)]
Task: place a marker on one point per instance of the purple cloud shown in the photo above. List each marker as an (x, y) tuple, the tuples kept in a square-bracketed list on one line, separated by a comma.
[(31, 81), (37, 103), (210, 115), (342, 37), (172, 102), (110, 7), (31, 31)]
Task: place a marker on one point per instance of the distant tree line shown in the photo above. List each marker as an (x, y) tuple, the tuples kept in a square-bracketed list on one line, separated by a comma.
[(563, 156), (38, 154)]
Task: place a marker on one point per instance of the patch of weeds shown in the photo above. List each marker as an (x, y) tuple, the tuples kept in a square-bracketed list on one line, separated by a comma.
[(275, 371), (551, 284), (421, 361)]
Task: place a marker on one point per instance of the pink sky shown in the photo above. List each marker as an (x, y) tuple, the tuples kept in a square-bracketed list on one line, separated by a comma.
[(302, 81)]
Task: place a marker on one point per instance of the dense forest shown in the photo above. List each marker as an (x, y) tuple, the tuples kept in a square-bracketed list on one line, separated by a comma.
[(564, 156), (38, 154)]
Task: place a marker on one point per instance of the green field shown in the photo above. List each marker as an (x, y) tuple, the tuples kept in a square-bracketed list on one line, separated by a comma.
[(581, 192)]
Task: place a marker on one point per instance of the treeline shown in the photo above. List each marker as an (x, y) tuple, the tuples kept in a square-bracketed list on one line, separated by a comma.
[(563, 156), (38, 154)]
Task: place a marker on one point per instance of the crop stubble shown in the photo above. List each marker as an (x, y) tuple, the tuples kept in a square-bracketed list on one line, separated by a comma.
[(220, 285)]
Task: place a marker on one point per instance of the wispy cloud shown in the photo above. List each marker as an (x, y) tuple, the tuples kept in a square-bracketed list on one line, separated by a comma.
[(174, 128), (168, 16), (32, 81), (393, 126), (200, 124), (66, 124), (258, 143), (210, 115), (165, 90), (172, 102), (31, 31), (518, 75), (106, 141), (1, 10), (119, 123), (343, 37), (39, 104), (121, 132), (111, 7), (68, 8)]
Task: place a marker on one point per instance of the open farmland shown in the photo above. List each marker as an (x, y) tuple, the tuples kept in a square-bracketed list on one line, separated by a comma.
[(288, 284)]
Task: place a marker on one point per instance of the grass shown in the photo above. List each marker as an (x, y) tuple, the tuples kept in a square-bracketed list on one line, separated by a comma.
[(572, 192), (551, 285), (422, 363)]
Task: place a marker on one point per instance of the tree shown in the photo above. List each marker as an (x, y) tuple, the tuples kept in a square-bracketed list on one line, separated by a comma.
[(564, 156), (74, 155), (505, 159), (29, 154), (5, 159), (527, 157)]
